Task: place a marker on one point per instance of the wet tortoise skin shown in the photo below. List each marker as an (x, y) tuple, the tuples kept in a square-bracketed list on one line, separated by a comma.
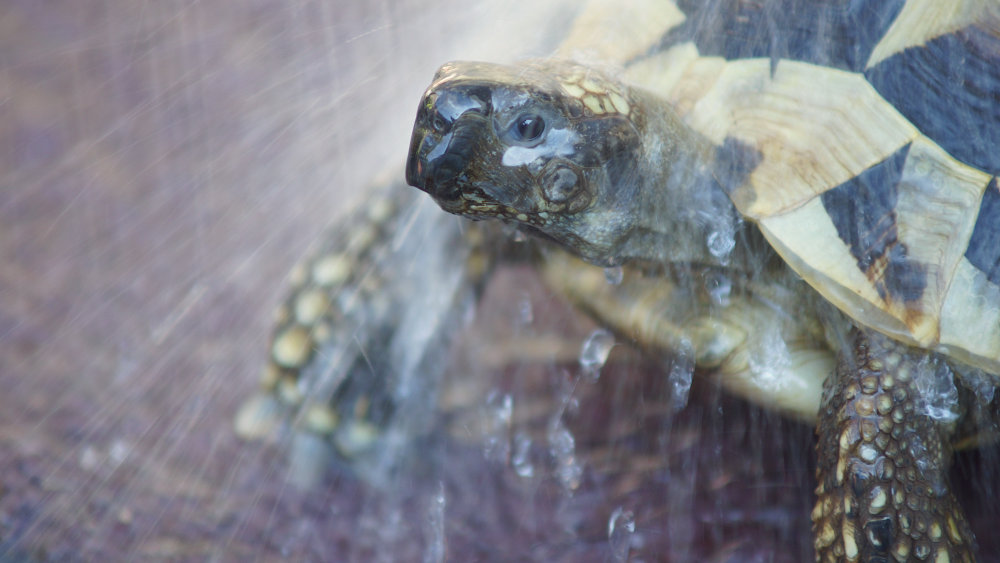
[(685, 153)]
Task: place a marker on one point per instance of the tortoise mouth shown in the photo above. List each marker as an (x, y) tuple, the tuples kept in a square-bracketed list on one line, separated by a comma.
[(471, 200), (445, 182), (440, 161)]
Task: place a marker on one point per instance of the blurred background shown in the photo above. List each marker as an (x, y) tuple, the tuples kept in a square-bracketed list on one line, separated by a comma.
[(162, 167)]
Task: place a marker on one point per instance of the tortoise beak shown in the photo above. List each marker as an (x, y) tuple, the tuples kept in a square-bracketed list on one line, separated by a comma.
[(442, 165), (450, 126)]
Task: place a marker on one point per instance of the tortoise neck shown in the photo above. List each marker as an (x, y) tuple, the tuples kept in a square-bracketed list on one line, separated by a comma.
[(683, 214)]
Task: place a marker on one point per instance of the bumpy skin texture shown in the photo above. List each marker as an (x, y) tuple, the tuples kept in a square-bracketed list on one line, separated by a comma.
[(356, 351), (825, 130), (568, 154), (883, 490), (883, 464)]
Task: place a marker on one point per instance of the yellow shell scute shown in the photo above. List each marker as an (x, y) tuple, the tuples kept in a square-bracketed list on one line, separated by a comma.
[(922, 20), (573, 89), (814, 128), (597, 94), (593, 103), (616, 32), (970, 318), (619, 103)]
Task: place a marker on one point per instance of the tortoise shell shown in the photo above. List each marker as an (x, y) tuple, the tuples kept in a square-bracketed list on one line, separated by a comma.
[(858, 136), (864, 144)]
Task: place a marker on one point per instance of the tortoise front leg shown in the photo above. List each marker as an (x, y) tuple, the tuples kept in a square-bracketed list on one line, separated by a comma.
[(665, 316), (883, 492)]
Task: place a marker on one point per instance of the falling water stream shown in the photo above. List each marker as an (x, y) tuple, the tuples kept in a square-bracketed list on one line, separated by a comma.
[(163, 165)]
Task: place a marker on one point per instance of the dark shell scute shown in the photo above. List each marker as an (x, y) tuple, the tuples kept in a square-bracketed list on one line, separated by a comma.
[(950, 89), (984, 245), (836, 34), (863, 210), (735, 161)]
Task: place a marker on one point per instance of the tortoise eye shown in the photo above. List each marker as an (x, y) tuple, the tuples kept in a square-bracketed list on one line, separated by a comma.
[(530, 127), (438, 123)]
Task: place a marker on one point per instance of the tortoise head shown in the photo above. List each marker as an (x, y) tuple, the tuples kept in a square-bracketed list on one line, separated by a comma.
[(550, 146)]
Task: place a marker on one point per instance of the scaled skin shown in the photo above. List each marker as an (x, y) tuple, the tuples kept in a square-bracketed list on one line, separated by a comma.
[(589, 180), (640, 188)]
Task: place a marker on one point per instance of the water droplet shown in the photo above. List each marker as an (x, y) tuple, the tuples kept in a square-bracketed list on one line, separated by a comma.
[(621, 530), (521, 460), (89, 458), (721, 243), (936, 385), (718, 286), (769, 358), (614, 275), (435, 549), (562, 446), (595, 351), (680, 377), (499, 414), (525, 312), (119, 451)]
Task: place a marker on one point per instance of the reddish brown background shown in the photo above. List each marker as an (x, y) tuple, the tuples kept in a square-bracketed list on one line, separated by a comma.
[(162, 166)]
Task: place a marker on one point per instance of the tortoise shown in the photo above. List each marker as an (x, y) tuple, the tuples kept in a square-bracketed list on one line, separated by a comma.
[(832, 169)]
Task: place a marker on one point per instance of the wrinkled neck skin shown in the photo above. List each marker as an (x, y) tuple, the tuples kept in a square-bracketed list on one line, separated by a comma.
[(679, 213)]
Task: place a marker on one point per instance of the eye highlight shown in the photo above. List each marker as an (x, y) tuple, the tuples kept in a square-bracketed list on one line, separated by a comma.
[(529, 127), (438, 123)]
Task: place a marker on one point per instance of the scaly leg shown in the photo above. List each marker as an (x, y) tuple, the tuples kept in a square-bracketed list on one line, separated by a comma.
[(755, 338), (360, 342), (884, 450)]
